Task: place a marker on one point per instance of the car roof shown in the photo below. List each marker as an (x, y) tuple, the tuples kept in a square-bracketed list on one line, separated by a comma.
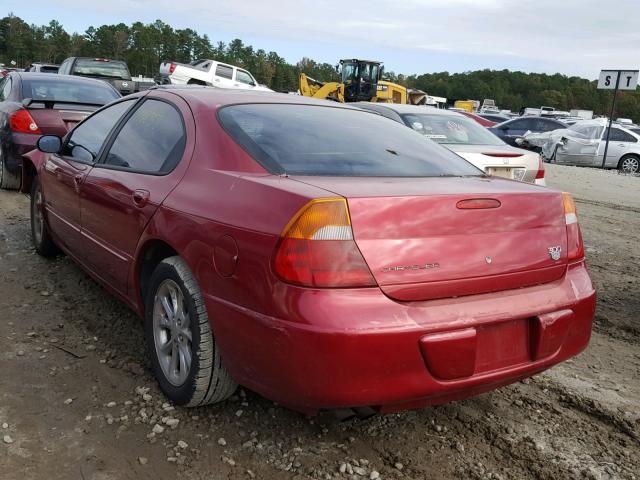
[(534, 117), (405, 108), (206, 96)]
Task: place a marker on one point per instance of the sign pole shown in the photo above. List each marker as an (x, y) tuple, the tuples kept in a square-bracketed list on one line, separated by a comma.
[(613, 107), (605, 82)]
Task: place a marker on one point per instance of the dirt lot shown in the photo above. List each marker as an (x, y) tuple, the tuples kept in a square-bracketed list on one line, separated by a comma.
[(77, 400)]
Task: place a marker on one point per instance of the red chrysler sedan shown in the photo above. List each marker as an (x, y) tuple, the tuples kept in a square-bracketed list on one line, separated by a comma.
[(315, 253)]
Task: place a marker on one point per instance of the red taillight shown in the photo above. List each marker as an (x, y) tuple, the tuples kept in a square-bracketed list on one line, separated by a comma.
[(21, 121), (316, 248), (575, 246), (172, 67), (540, 174)]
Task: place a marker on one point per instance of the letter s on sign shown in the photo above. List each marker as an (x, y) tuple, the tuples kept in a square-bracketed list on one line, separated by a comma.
[(607, 80)]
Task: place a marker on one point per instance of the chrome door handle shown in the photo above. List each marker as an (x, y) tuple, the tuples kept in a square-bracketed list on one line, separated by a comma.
[(140, 197)]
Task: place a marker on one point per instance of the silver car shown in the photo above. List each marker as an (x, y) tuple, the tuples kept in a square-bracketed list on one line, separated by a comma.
[(583, 144)]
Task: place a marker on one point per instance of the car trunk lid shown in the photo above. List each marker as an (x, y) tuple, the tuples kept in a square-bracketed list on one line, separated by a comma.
[(57, 122), (422, 245), (497, 160)]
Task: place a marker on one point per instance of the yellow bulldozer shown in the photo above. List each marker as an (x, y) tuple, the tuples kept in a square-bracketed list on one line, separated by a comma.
[(361, 82)]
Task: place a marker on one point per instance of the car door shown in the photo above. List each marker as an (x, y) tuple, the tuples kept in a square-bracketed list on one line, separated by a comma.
[(580, 145), (619, 144), (140, 165), (64, 172), (244, 79), (223, 76)]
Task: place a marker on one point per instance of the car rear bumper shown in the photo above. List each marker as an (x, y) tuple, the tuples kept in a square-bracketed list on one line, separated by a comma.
[(163, 79), (19, 145), (356, 348)]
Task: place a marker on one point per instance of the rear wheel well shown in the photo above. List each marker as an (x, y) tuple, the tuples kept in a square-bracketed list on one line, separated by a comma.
[(152, 254), (627, 156), (195, 82)]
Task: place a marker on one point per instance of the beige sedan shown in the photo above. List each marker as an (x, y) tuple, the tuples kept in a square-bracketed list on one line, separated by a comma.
[(468, 139)]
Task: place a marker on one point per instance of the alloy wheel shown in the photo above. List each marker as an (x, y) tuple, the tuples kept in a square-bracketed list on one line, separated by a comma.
[(172, 332), (631, 165)]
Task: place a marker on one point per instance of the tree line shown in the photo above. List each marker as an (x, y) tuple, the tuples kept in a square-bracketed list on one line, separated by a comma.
[(144, 46)]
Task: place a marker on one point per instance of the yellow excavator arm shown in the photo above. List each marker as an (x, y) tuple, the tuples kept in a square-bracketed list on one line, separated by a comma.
[(323, 90)]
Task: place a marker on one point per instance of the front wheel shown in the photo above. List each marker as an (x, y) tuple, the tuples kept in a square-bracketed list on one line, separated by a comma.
[(185, 358), (629, 164), (40, 236)]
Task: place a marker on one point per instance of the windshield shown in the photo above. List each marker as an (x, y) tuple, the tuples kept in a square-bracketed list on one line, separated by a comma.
[(334, 141), (73, 91), (101, 68), (349, 71), (450, 129)]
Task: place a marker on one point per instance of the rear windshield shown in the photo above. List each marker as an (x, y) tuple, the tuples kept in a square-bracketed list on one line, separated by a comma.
[(333, 141), (101, 68), (48, 69), (61, 91), (451, 129)]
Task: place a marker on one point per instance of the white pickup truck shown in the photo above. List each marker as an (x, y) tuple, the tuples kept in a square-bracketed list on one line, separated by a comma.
[(208, 72)]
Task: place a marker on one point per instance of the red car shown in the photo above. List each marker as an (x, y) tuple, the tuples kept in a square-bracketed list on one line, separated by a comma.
[(313, 252), (482, 121), (33, 104)]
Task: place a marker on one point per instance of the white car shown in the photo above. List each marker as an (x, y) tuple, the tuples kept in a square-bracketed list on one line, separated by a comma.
[(208, 72), (468, 139)]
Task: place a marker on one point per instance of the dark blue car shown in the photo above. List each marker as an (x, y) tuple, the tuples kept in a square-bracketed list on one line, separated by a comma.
[(511, 129)]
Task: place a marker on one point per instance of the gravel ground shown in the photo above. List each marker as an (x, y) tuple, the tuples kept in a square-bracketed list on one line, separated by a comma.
[(77, 399)]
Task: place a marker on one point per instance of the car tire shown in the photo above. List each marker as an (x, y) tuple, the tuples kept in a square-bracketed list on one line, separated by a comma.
[(185, 358), (40, 236), (8, 180), (629, 164)]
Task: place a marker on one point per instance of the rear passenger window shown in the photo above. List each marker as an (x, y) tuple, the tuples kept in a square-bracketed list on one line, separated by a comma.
[(618, 135), (224, 71), (151, 141)]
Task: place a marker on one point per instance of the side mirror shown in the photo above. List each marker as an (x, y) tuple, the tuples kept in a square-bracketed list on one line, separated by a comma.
[(49, 144)]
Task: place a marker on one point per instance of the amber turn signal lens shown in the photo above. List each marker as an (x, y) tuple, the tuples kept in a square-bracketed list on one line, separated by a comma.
[(316, 248)]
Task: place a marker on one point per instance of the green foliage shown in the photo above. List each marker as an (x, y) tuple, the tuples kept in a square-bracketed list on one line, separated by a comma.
[(516, 90), (144, 46)]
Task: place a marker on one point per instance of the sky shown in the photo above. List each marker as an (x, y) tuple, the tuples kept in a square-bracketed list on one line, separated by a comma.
[(572, 37)]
